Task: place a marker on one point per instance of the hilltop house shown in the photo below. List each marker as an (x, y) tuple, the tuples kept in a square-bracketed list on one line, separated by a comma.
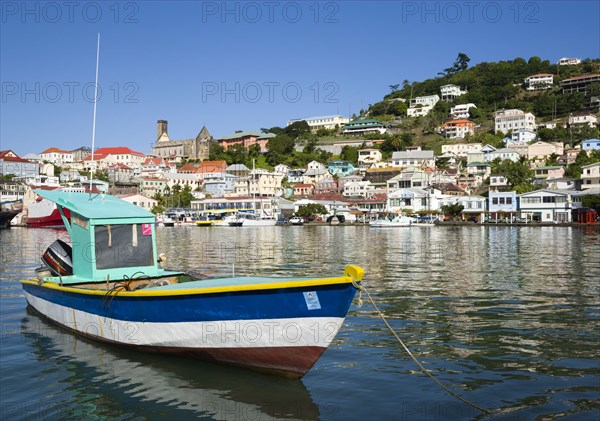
[(360, 127), (461, 110), (508, 120), (329, 122), (421, 105), (589, 120), (246, 139), (451, 92), (590, 145), (457, 128), (539, 82)]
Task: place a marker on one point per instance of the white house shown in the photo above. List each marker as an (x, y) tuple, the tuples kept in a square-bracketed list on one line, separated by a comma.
[(357, 188), (504, 153), (522, 136), (104, 157), (409, 179), (498, 183), (421, 105), (315, 165), (507, 120), (586, 119), (282, 169), (368, 157), (413, 159), (590, 176), (539, 82), (473, 206), (139, 200), (566, 61), (323, 122), (461, 110), (451, 92), (549, 205), (460, 149), (414, 199), (57, 156)]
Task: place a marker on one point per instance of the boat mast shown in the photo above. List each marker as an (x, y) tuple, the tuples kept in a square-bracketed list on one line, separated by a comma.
[(94, 121)]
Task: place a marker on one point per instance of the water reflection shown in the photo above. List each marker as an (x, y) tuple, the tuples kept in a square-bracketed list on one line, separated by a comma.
[(135, 384)]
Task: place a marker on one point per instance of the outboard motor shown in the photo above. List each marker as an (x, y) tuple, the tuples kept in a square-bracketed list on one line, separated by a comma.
[(58, 258)]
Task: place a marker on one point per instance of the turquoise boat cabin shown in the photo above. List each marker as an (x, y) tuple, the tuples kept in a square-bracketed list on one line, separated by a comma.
[(111, 239)]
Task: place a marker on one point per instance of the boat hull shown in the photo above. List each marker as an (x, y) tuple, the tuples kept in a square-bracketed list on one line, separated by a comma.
[(274, 330), (52, 220)]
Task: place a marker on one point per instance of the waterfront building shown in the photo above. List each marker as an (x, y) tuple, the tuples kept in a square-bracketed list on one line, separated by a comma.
[(549, 205), (502, 204), (264, 206), (473, 206)]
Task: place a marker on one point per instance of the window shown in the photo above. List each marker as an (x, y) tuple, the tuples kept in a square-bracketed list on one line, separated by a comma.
[(509, 200), (494, 201)]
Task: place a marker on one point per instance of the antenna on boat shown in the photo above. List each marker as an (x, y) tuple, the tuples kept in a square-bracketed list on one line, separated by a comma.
[(94, 122)]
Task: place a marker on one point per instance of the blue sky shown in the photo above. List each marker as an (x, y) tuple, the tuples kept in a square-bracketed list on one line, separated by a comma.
[(246, 65)]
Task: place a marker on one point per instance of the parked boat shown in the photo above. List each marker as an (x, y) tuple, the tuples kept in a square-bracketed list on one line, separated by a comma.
[(203, 221), (251, 219), (6, 216), (44, 214), (121, 295), (397, 221)]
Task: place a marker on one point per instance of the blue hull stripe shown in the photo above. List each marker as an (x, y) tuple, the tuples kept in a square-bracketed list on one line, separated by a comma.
[(334, 301)]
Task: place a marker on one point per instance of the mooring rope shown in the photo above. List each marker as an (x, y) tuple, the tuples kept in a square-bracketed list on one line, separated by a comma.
[(423, 369)]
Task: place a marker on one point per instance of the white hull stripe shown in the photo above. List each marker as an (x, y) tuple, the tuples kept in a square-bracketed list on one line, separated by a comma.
[(295, 332)]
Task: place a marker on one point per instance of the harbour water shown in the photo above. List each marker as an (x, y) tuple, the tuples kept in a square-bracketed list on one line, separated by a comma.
[(507, 317)]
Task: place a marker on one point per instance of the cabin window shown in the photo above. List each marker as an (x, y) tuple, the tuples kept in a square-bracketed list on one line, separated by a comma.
[(123, 246)]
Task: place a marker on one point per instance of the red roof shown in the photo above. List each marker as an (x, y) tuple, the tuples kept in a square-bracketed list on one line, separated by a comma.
[(302, 185), (541, 74), (213, 166), (188, 168), (459, 122), (55, 150), (118, 150), (582, 77), (5, 153)]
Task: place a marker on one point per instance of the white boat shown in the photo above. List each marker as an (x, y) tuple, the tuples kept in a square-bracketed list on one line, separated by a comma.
[(398, 221), (253, 220)]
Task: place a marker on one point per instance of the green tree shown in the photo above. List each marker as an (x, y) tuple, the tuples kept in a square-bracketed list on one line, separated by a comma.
[(454, 210), (350, 154), (311, 210), (518, 174)]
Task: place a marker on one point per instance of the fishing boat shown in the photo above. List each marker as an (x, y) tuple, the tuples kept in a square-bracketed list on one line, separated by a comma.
[(397, 221), (203, 221), (109, 285)]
